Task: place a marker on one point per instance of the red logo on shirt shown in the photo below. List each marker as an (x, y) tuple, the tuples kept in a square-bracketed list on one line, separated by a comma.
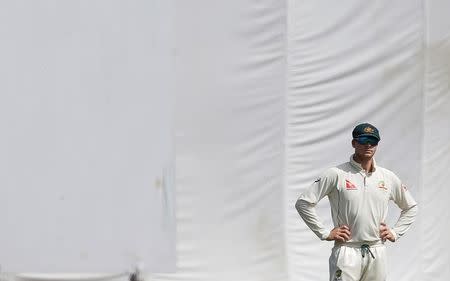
[(349, 185)]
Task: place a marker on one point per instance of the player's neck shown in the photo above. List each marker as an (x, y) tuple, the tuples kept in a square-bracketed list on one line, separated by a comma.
[(365, 162)]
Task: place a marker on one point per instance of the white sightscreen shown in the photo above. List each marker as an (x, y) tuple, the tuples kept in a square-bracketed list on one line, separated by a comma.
[(267, 93), (86, 146), (352, 62), (435, 213), (230, 83)]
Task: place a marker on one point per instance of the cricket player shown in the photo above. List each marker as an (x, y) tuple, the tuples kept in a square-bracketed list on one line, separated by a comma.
[(359, 192)]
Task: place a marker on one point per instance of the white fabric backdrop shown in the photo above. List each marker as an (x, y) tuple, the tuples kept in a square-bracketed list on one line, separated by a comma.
[(349, 63), (435, 214), (230, 81), (86, 146), (267, 95)]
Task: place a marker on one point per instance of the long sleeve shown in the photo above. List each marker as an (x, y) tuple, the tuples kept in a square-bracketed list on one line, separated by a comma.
[(307, 201), (309, 215), (407, 217), (404, 200)]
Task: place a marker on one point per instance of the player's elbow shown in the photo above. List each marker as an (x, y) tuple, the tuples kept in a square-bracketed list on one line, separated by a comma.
[(301, 205), (414, 210), (411, 210), (297, 205)]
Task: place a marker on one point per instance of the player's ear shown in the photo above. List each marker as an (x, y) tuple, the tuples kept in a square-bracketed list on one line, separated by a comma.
[(353, 143)]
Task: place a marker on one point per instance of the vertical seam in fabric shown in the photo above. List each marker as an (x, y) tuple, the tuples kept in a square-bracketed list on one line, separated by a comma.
[(285, 139), (286, 142), (424, 104)]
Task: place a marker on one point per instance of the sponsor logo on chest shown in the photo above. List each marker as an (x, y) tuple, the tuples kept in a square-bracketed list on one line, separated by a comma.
[(349, 185)]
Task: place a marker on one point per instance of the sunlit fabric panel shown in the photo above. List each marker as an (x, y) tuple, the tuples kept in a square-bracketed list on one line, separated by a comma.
[(86, 158), (229, 132), (267, 94), (436, 151), (350, 62)]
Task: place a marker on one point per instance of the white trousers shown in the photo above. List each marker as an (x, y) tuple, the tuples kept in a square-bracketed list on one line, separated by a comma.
[(353, 263)]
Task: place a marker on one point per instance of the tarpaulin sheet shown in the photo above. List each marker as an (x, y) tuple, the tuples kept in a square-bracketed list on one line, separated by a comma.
[(267, 93), (351, 62)]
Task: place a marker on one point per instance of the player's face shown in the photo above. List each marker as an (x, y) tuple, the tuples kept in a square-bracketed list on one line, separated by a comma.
[(365, 150)]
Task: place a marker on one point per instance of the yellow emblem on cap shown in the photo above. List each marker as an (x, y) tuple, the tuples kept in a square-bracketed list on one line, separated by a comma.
[(368, 130)]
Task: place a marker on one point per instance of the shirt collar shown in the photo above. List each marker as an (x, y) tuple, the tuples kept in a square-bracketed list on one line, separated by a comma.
[(358, 166)]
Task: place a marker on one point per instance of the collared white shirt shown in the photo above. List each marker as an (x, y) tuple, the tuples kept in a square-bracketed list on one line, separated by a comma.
[(359, 200)]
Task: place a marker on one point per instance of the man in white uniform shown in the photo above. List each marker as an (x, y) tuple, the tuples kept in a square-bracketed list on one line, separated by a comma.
[(358, 191)]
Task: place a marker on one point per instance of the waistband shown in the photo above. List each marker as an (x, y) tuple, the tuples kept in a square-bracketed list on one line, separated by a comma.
[(359, 244)]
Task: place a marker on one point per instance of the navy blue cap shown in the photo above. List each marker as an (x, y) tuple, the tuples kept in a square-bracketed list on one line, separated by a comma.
[(365, 130)]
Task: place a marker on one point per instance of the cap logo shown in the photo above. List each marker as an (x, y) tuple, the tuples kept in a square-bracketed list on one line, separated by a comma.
[(368, 130)]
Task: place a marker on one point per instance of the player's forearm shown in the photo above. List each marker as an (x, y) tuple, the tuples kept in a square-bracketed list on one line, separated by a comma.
[(308, 213), (407, 217)]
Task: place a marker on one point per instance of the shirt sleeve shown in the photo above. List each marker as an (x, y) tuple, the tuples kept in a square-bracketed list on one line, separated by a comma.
[(308, 200), (404, 200)]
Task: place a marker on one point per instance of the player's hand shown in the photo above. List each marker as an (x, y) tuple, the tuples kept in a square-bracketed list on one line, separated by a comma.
[(340, 234), (385, 233)]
